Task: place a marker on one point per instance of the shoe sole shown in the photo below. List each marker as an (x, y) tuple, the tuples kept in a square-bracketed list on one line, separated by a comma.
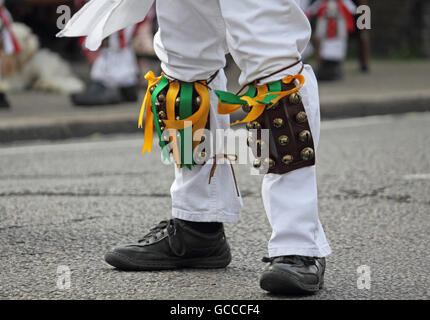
[(285, 283), (122, 262)]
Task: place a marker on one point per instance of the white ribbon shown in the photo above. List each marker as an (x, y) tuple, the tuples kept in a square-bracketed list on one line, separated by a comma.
[(98, 19)]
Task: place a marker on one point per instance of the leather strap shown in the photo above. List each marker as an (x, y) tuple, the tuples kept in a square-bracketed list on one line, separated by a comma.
[(283, 69), (272, 74), (230, 158), (206, 82)]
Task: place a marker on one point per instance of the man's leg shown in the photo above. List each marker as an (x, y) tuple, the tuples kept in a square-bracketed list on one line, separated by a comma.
[(265, 37), (291, 199), (191, 47), (193, 198)]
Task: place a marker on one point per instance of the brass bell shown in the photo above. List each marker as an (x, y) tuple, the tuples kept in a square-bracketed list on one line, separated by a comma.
[(157, 103), (283, 140), (151, 90), (257, 163), (307, 154), (202, 154), (161, 98), (259, 143), (278, 122), (249, 125), (295, 98), (305, 136), (162, 128), (198, 101), (162, 115), (160, 121), (178, 118), (249, 141), (256, 125), (287, 159), (246, 108), (177, 102), (270, 162), (301, 117)]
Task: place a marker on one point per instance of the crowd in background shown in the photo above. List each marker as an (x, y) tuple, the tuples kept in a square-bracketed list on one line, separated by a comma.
[(32, 58)]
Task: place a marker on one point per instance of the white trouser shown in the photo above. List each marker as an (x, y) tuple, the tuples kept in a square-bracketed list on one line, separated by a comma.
[(263, 37), (116, 66)]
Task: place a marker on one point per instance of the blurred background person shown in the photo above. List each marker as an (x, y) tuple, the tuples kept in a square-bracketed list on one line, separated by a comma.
[(309, 50), (334, 22), (143, 46), (114, 70), (363, 39), (9, 47)]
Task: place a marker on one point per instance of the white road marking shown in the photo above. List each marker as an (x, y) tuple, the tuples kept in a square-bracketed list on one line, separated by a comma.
[(419, 176), (371, 121), (354, 123), (136, 141), (113, 143)]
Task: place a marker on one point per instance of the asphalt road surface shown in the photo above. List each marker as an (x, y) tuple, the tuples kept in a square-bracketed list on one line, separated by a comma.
[(65, 204)]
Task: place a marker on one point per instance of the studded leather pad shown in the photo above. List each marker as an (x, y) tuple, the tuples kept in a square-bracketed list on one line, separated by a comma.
[(295, 126)]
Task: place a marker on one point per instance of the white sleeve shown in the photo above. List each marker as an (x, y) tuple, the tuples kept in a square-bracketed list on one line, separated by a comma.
[(100, 18)]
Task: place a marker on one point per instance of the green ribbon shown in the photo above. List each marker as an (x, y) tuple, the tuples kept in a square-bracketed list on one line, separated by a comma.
[(186, 111), (230, 98), (164, 82), (273, 87)]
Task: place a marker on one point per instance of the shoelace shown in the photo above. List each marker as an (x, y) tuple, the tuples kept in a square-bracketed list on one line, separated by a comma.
[(158, 231), (230, 158), (307, 261)]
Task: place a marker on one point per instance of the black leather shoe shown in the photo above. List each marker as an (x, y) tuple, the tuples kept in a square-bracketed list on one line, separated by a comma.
[(293, 275), (172, 245), (97, 94)]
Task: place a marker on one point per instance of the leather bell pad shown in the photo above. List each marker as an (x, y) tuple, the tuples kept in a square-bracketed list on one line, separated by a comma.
[(161, 111), (291, 145)]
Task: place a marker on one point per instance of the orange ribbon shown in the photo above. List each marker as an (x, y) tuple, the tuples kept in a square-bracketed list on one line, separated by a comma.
[(198, 120), (257, 107), (146, 105)]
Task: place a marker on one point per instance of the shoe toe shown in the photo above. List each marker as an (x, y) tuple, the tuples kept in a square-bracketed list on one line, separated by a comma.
[(121, 257), (291, 272), (284, 279), (133, 257)]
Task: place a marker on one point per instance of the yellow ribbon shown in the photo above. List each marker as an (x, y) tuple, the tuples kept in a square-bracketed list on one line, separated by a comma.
[(257, 108), (198, 120), (171, 95), (146, 105)]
